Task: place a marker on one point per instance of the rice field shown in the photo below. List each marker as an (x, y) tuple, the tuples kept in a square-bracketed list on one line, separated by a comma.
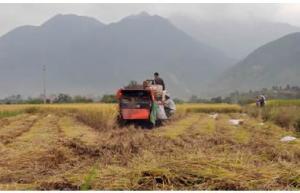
[(80, 147), (282, 102), (284, 113)]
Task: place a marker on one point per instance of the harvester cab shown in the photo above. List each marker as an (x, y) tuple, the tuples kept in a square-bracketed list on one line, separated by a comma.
[(140, 102)]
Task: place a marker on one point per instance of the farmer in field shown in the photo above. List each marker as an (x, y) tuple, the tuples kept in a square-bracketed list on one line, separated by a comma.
[(257, 101), (158, 80), (169, 105), (262, 100)]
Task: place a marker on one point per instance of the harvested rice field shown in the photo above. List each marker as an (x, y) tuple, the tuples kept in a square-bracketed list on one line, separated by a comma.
[(81, 147)]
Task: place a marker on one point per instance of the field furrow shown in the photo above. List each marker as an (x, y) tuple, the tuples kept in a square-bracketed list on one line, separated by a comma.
[(206, 154), (72, 149), (37, 155), (16, 127), (179, 127), (76, 131)]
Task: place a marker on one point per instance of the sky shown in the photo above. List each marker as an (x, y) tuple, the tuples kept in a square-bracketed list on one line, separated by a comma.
[(14, 15)]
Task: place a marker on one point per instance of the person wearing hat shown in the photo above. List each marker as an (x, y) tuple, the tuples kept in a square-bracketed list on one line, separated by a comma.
[(169, 105), (158, 80)]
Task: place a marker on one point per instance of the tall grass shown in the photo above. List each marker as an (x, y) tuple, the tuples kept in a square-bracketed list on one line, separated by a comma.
[(98, 116), (285, 113), (102, 116), (284, 102)]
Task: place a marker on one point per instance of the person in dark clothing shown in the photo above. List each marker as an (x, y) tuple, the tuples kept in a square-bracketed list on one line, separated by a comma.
[(262, 100), (158, 80)]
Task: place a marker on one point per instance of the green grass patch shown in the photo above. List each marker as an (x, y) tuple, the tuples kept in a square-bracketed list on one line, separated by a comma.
[(87, 183), (4, 114), (284, 102)]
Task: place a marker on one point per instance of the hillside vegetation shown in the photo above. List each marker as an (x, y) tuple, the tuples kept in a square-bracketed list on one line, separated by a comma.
[(272, 64)]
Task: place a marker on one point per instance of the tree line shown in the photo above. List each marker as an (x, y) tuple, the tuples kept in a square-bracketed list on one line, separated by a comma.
[(60, 98), (275, 92)]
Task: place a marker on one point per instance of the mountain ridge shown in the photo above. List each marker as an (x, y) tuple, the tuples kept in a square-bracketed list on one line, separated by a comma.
[(273, 64), (235, 38), (100, 58)]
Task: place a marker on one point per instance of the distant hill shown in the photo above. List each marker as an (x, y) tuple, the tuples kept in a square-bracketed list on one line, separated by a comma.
[(85, 56), (235, 38), (274, 64)]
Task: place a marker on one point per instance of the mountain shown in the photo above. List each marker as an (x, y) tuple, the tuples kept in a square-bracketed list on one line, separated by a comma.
[(273, 64), (85, 56), (235, 38)]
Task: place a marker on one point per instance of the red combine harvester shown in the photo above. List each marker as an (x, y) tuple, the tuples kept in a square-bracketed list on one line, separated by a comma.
[(136, 102)]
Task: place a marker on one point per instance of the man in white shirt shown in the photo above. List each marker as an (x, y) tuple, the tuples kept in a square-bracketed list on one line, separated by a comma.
[(169, 105)]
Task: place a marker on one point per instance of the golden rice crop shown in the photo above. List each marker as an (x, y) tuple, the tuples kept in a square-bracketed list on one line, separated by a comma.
[(285, 113), (110, 110), (96, 115), (284, 102), (100, 115), (103, 116), (209, 108)]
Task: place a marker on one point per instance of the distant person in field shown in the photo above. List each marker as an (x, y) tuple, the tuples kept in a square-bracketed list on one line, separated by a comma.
[(262, 100), (158, 80), (257, 101), (169, 105)]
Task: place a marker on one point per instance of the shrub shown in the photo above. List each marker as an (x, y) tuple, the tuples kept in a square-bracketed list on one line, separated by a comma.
[(108, 99), (31, 110), (284, 119)]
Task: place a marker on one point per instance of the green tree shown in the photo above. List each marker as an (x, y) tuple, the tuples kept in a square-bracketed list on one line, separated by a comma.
[(108, 98), (34, 100), (216, 100), (81, 99), (178, 101), (63, 98)]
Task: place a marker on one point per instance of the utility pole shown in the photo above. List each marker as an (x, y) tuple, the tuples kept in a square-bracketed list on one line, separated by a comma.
[(44, 84)]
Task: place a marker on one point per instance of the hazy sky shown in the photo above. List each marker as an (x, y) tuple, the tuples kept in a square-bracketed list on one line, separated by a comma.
[(13, 15)]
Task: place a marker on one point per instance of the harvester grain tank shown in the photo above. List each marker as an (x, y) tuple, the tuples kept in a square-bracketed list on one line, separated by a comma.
[(141, 103)]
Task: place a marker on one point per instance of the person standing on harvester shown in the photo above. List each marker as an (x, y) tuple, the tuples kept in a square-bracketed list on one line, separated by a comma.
[(158, 80)]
